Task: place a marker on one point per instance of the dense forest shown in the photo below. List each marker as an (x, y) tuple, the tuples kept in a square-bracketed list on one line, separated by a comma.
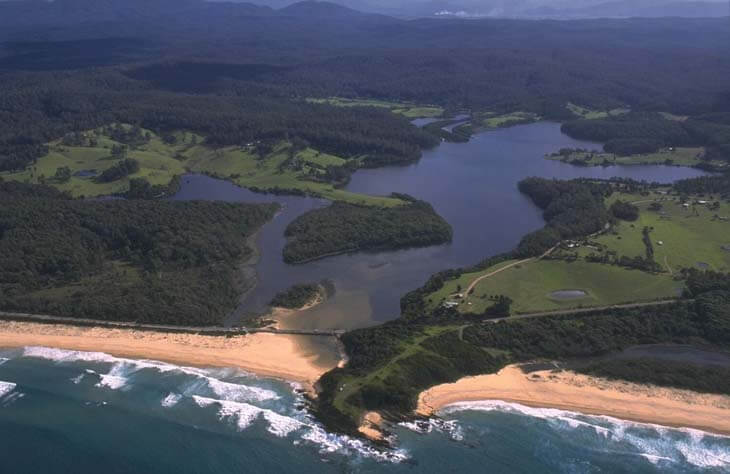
[(73, 65), (663, 373), (705, 186), (297, 296), (570, 208), (153, 262), (643, 132), (342, 228), (35, 109)]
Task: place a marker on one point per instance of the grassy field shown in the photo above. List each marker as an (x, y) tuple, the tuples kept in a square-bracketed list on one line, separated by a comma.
[(405, 109), (691, 236), (491, 120), (676, 157), (161, 161), (530, 286), (156, 160), (590, 114)]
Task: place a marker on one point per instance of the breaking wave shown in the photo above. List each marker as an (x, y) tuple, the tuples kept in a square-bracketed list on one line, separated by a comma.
[(449, 427), (657, 444), (243, 415), (171, 400), (235, 402), (6, 388), (122, 369)]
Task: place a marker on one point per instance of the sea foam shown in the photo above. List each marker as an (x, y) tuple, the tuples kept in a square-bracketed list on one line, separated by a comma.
[(6, 388), (171, 400), (245, 414), (655, 443), (238, 392), (234, 401), (448, 427), (122, 369)]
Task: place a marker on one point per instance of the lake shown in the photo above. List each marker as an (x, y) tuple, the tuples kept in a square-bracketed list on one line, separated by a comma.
[(472, 185)]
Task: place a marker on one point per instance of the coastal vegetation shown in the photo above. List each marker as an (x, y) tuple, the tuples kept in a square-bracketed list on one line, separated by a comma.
[(153, 262), (665, 373), (343, 227), (391, 364), (297, 296)]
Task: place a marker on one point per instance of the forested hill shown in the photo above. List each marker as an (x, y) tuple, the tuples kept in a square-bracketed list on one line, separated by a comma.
[(342, 228), (154, 262), (238, 72), (647, 132)]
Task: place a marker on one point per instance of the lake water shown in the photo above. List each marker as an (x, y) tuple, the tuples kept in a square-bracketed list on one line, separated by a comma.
[(64, 412), (88, 413), (472, 185)]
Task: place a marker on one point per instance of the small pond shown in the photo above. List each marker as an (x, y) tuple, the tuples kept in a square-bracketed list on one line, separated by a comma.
[(568, 295)]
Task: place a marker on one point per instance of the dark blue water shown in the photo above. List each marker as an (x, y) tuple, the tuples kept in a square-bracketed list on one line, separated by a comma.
[(472, 185), (89, 413)]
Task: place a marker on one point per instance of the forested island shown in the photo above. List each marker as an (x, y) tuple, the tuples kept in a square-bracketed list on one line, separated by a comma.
[(149, 262), (342, 228), (298, 296)]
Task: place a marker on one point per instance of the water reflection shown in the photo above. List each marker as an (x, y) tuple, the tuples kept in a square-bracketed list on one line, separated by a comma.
[(472, 185)]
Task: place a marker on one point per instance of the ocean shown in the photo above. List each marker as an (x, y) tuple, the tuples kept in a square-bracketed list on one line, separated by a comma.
[(79, 412)]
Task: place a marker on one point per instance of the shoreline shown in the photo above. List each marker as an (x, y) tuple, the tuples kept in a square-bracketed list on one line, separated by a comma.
[(279, 315), (569, 391), (282, 356)]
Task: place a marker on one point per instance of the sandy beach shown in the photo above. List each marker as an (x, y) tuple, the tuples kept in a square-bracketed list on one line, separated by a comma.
[(290, 357), (580, 393)]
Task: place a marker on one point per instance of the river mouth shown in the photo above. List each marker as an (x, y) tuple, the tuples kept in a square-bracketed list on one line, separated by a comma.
[(567, 295), (452, 177)]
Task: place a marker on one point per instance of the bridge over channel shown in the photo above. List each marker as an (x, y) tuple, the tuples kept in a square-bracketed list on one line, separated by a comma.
[(203, 330)]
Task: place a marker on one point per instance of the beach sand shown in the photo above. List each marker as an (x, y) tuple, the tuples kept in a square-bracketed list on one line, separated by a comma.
[(290, 357), (590, 395)]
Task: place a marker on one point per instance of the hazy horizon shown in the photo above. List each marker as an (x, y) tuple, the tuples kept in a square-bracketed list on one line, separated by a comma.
[(526, 8), (535, 9)]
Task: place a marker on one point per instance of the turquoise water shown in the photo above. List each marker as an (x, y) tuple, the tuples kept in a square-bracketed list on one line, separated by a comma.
[(74, 412)]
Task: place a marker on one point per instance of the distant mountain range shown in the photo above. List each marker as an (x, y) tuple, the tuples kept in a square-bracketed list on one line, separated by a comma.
[(534, 9), (529, 9)]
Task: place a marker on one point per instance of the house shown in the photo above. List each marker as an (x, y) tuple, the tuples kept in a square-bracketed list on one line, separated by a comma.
[(451, 304)]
